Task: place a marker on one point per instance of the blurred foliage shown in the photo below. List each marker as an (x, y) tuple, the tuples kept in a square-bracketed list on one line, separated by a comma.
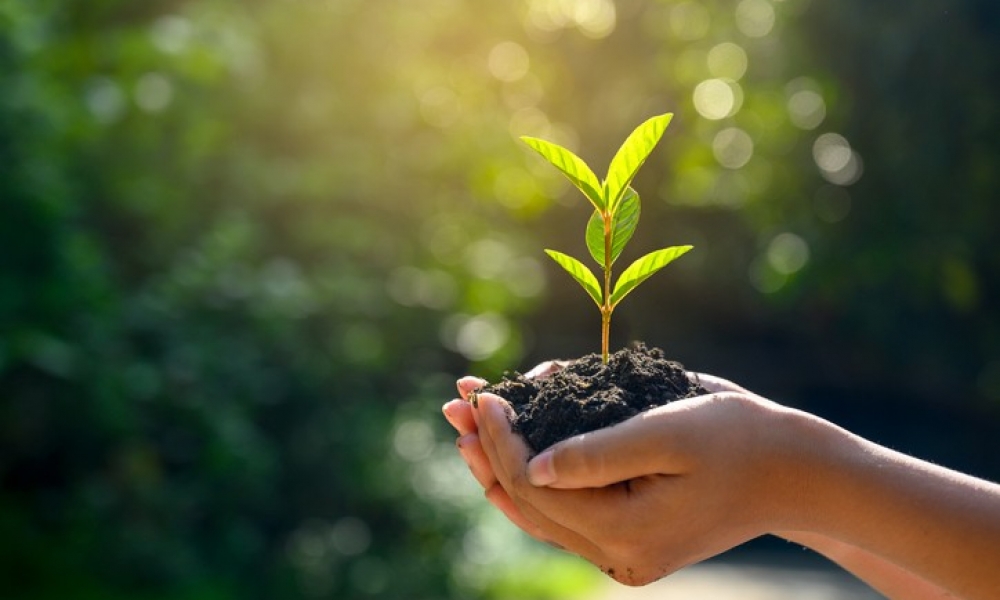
[(246, 247)]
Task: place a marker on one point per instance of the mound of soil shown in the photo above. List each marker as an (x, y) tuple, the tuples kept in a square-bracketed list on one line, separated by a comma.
[(586, 395)]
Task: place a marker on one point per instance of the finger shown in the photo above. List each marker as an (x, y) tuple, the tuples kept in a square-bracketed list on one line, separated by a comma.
[(471, 449), (499, 498), (567, 515), (545, 369), (459, 414), (472, 453), (637, 447), (716, 384), (468, 384), (540, 527)]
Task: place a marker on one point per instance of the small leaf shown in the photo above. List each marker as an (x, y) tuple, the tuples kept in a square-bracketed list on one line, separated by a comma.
[(595, 237), (580, 273), (631, 156), (641, 269), (623, 225), (572, 166)]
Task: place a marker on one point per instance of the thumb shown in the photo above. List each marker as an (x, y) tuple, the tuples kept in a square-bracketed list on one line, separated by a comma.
[(634, 448)]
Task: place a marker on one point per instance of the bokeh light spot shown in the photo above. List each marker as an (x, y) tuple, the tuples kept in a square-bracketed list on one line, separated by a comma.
[(716, 98), (508, 61), (755, 18), (413, 440), (308, 547), (837, 162), (728, 61), (526, 278), (105, 100), (732, 147), (153, 92), (171, 34), (593, 18), (430, 288), (832, 152), (787, 253), (806, 109), (488, 258), (475, 337)]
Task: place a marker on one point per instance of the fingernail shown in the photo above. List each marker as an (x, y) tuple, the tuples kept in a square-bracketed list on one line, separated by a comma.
[(469, 384), (541, 471)]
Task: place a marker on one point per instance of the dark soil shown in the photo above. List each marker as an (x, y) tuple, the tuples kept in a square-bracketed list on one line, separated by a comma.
[(586, 395)]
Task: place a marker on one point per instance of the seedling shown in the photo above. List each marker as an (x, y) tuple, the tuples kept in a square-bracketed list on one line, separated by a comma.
[(616, 215)]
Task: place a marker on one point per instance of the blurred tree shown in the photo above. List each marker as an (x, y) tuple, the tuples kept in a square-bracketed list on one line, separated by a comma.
[(911, 270), (230, 242)]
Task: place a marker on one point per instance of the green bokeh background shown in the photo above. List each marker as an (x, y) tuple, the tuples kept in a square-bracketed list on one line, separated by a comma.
[(246, 247)]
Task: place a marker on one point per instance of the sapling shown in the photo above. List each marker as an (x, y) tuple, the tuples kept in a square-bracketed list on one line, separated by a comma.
[(615, 217)]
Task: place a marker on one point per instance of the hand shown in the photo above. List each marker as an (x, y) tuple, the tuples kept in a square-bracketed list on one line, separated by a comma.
[(688, 481), (620, 547), (463, 418)]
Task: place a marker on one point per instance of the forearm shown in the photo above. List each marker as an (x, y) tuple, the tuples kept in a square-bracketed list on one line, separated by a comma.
[(927, 520), (882, 575)]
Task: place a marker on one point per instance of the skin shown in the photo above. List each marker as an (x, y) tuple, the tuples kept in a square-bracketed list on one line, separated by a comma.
[(684, 482)]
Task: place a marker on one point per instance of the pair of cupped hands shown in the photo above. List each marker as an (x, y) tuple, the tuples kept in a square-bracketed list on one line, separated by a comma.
[(668, 488)]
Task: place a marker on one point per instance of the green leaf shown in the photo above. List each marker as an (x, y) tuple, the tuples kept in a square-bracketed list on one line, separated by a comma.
[(580, 273), (631, 155), (623, 225), (641, 269), (573, 167)]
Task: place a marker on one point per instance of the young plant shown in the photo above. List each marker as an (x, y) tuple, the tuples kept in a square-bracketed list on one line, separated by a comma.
[(616, 215)]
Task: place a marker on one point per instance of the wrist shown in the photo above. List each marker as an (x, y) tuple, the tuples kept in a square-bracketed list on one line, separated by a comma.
[(801, 478)]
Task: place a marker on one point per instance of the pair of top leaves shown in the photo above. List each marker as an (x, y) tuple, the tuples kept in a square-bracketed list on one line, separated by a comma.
[(616, 213)]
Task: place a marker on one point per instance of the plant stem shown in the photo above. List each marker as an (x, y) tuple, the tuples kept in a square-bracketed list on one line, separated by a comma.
[(607, 308)]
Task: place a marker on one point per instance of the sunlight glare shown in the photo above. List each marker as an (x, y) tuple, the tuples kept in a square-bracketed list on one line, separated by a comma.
[(595, 19)]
